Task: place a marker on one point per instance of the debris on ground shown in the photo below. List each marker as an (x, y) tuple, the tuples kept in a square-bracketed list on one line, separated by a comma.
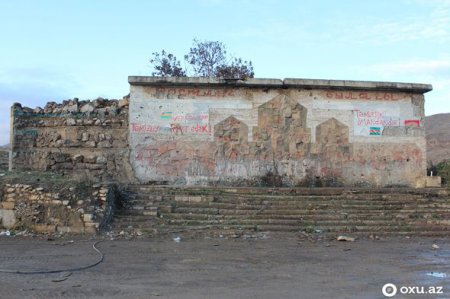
[(64, 243), (5, 233), (177, 239), (374, 237), (345, 239), (435, 246)]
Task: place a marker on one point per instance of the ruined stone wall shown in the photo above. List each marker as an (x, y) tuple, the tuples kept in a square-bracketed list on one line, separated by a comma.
[(27, 207), (188, 131), (88, 139)]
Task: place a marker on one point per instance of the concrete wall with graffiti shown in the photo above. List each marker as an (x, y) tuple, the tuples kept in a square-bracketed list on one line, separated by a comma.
[(207, 131)]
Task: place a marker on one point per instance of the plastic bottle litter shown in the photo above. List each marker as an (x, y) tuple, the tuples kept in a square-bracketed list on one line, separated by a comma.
[(5, 233)]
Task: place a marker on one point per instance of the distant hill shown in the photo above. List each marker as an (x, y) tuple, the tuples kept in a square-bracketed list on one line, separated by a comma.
[(437, 129)]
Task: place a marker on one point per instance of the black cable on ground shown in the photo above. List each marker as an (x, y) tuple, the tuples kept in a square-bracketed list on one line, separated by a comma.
[(62, 270)]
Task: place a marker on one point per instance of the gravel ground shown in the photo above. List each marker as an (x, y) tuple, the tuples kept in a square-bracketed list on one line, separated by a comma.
[(267, 265)]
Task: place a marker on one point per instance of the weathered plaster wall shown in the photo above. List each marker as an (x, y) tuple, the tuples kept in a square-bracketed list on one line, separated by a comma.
[(83, 138), (188, 131)]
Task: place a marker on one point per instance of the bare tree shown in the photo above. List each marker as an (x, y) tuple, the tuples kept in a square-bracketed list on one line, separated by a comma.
[(166, 65), (207, 59), (237, 69)]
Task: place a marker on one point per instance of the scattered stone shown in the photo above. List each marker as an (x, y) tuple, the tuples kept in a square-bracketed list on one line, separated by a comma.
[(155, 294), (345, 239), (5, 233), (374, 237)]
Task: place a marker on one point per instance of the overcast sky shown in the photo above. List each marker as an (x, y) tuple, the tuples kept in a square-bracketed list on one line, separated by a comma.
[(56, 50)]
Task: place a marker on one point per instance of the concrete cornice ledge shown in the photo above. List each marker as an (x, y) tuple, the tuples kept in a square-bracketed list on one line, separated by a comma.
[(202, 81), (277, 83), (357, 85)]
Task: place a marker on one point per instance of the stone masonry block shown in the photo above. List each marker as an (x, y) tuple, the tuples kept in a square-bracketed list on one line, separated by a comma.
[(7, 205)]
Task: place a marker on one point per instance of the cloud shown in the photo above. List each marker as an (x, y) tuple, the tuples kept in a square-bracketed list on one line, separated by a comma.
[(433, 71), (422, 68), (431, 24), (34, 86), (31, 87)]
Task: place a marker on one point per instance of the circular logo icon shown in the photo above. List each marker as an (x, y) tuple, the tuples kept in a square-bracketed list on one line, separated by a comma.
[(389, 290)]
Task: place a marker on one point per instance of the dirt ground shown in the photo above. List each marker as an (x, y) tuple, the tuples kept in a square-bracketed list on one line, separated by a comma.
[(266, 265)]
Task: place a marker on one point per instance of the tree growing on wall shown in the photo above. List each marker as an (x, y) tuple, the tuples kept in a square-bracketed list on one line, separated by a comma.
[(205, 59), (166, 64)]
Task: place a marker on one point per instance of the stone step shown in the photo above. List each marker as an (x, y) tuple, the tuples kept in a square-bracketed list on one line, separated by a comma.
[(336, 210), (304, 217), (275, 191), (263, 211), (318, 223), (144, 213), (250, 196), (133, 218), (288, 202), (349, 207)]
